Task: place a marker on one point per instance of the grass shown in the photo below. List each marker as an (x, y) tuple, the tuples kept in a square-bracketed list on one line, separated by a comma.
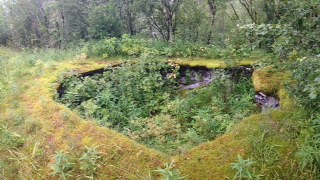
[(8, 139), (28, 109)]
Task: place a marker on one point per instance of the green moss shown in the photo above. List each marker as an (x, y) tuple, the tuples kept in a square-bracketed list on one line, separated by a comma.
[(211, 63), (287, 103), (265, 136), (272, 82), (269, 80), (213, 160)]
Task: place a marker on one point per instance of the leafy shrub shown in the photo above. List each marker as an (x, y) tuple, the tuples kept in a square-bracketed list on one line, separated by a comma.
[(131, 46), (295, 30), (306, 88), (141, 100), (104, 48), (121, 94), (213, 110), (161, 132), (86, 166), (136, 47)]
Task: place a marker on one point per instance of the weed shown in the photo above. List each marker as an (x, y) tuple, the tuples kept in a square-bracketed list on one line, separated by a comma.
[(131, 46), (18, 119), (169, 173), (244, 169), (90, 162), (62, 166), (9, 139), (265, 153)]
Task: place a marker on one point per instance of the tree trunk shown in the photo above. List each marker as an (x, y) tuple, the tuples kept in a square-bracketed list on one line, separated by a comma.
[(39, 4), (248, 5), (170, 28), (169, 10), (213, 12), (130, 17)]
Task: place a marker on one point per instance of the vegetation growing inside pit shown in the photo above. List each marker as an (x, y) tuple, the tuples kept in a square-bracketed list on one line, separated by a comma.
[(42, 39), (142, 100)]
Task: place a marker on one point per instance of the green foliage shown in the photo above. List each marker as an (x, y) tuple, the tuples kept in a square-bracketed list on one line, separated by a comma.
[(244, 168), (132, 46), (295, 31), (104, 21), (104, 48), (86, 166), (267, 152), (140, 100), (169, 173), (90, 162), (161, 132), (309, 151), (27, 62), (213, 110), (310, 156), (121, 94), (9, 139), (193, 22), (307, 82), (63, 165)]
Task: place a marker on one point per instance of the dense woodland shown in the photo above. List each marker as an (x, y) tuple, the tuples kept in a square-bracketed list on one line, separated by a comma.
[(254, 23), (56, 121)]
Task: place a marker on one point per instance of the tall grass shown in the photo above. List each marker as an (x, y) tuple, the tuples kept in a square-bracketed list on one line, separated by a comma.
[(16, 66)]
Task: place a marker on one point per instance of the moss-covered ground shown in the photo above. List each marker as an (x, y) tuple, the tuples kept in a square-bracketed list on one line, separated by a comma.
[(46, 127)]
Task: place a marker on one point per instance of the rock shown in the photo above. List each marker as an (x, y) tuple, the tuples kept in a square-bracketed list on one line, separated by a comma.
[(267, 102)]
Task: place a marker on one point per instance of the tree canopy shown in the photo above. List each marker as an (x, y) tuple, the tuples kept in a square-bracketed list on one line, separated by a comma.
[(269, 25)]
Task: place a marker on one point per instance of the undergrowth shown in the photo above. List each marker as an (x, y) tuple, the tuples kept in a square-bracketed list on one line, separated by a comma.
[(131, 46), (142, 101)]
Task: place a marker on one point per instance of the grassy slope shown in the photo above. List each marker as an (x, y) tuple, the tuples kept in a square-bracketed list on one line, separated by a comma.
[(57, 128), (49, 127), (213, 160)]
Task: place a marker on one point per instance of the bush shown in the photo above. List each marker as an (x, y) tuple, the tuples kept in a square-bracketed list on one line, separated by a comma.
[(90, 162), (104, 48), (121, 94), (307, 82), (213, 110), (142, 101), (296, 30), (131, 46)]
